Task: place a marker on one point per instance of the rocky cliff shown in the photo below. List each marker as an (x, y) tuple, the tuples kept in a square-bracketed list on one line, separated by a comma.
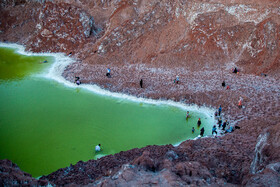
[(199, 40)]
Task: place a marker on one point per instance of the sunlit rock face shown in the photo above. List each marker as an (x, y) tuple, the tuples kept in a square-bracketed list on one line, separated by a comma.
[(192, 34)]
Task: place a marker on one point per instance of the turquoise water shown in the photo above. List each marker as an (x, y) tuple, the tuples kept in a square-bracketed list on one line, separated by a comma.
[(45, 126)]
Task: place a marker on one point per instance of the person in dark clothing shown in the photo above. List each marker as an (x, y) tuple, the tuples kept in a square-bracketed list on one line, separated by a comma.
[(220, 110), (223, 84), (77, 80), (198, 122), (225, 124), (202, 131), (220, 122), (108, 74), (141, 83), (214, 130), (235, 70)]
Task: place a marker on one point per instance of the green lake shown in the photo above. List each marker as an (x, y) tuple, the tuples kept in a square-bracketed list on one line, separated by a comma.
[(45, 125)]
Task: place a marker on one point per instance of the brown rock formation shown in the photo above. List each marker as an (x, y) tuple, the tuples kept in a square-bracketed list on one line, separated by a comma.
[(199, 40)]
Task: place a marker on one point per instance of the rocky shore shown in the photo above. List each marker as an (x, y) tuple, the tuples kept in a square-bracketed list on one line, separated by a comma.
[(201, 41)]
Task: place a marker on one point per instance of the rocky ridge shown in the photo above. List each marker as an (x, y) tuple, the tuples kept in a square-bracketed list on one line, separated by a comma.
[(198, 40)]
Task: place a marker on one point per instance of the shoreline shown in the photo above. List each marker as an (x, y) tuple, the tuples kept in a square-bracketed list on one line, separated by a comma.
[(61, 61)]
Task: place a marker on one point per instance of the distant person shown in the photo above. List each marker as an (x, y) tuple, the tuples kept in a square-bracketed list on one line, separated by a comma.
[(223, 84), (230, 129), (188, 115), (45, 61), (220, 122), (177, 80), (214, 130), (202, 131), (77, 80), (224, 125), (240, 103), (193, 130), (220, 110), (108, 74), (216, 114), (98, 148), (198, 122), (235, 70), (228, 87), (141, 83)]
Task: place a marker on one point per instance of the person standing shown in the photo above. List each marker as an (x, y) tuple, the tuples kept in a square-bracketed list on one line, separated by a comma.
[(223, 84), (220, 122), (202, 132), (188, 115), (141, 83), (225, 124), (198, 122), (240, 103), (220, 110)]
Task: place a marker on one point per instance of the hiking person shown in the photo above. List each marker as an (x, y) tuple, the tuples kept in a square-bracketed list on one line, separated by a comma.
[(235, 70), (220, 110), (108, 74), (223, 84), (228, 87), (193, 130), (202, 131), (214, 130), (98, 148), (141, 83), (198, 122)]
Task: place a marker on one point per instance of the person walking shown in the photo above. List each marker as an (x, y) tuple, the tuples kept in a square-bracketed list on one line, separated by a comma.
[(214, 130), (141, 83)]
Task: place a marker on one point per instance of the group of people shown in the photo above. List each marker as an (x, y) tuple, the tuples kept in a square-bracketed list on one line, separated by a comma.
[(198, 124), (222, 125)]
